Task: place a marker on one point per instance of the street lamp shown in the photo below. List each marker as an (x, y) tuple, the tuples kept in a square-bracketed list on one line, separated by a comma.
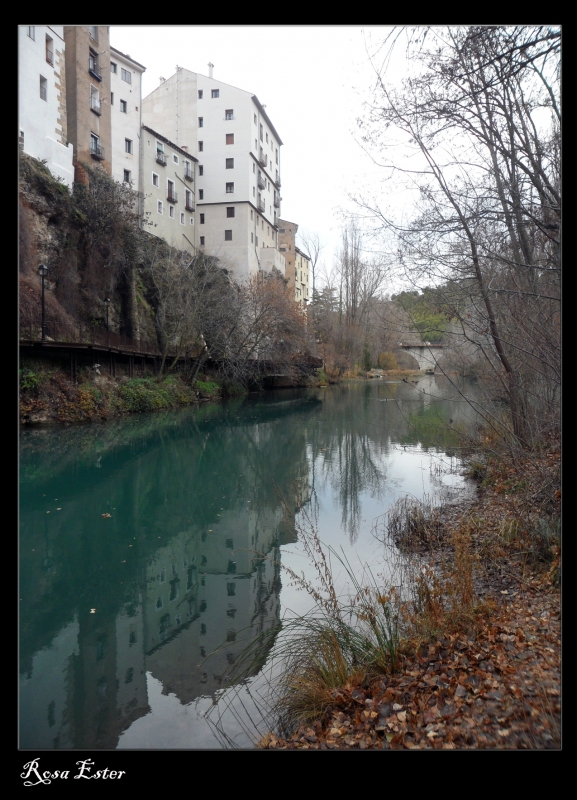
[(43, 272), (107, 303)]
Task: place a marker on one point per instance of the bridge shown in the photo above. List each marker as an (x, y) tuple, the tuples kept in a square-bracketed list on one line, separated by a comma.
[(425, 354)]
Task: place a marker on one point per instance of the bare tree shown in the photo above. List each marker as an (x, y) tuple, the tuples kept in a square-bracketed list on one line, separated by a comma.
[(482, 115), (312, 245)]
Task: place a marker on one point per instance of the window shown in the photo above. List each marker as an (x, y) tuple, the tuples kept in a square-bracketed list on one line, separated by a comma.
[(123, 106), (230, 188), (192, 220), (200, 122), (252, 237), (201, 194), (253, 191), (32, 32), (126, 75), (276, 151), (230, 211), (228, 236), (261, 132), (200, 94), (202, 240), (175, 159), (200, 169), (171, 211), (255, 119), (188, 200), (155, 179), (214, 93), (159, 207), (202, 219), (255, 144), (93, 32), (95, 149), (251, 213), (49, 50), (228, 114), (43, 88), (182, 219), (113, 67), (256, 240), (200, 147), (230, 138), (94, 100), (253, 169), (128, 145), (266, 135), (111, 98), (230, 163), (126, 176)]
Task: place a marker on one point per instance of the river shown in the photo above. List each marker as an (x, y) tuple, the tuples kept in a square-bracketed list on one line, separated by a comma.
[(153, 548)]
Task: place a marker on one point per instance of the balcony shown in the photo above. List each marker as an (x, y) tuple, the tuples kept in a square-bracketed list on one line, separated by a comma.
[(276, 202), (161, 157), (261, 205), (189, 205), (50, 57), (277, 179), (95, 105), (94, 68), (261, 182), (96, 151), (188, 174), (172, 196), (263, 158)]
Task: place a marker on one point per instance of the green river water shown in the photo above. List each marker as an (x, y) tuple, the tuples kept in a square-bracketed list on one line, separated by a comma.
[(152, 548)]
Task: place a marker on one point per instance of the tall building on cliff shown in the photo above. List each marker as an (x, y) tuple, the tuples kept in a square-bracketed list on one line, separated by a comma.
[(42, 98), (238, 171)]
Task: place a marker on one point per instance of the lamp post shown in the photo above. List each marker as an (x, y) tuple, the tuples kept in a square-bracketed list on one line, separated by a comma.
[(43, 271), (107, 303)]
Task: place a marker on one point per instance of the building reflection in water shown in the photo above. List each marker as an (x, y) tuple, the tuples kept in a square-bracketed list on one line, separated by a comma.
[(118, 603)]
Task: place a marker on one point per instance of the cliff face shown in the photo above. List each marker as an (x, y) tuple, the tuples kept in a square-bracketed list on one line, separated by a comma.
[(92, 245)]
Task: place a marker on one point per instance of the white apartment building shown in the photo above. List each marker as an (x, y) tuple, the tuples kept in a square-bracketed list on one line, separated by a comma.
[(125, 117), (168, 178), (238, 171), (42, 128), (301, 277)]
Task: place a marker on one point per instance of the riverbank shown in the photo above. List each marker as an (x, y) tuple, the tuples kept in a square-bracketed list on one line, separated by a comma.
[(48, 396), (479, 666)]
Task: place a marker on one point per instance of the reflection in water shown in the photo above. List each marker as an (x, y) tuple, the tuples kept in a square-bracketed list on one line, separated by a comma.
[(151, 547)]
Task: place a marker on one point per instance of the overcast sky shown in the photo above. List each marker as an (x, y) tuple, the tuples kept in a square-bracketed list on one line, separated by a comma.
[(313, 81)]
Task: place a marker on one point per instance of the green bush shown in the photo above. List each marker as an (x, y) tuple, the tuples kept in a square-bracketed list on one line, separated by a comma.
[(387, 360)]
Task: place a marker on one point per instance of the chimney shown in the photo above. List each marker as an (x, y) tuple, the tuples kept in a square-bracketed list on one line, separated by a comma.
[(210, 66)]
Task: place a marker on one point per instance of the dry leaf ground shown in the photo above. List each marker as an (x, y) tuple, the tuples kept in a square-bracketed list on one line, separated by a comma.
[(492, 684)]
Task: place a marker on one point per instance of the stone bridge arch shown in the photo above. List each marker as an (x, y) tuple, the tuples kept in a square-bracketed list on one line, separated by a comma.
[(426, 354)]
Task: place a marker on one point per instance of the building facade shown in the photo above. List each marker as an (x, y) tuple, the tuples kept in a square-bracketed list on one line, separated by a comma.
[(168, 179), (88, 93), (125, 117), (238, 171), (42, 106), (297, 262)]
